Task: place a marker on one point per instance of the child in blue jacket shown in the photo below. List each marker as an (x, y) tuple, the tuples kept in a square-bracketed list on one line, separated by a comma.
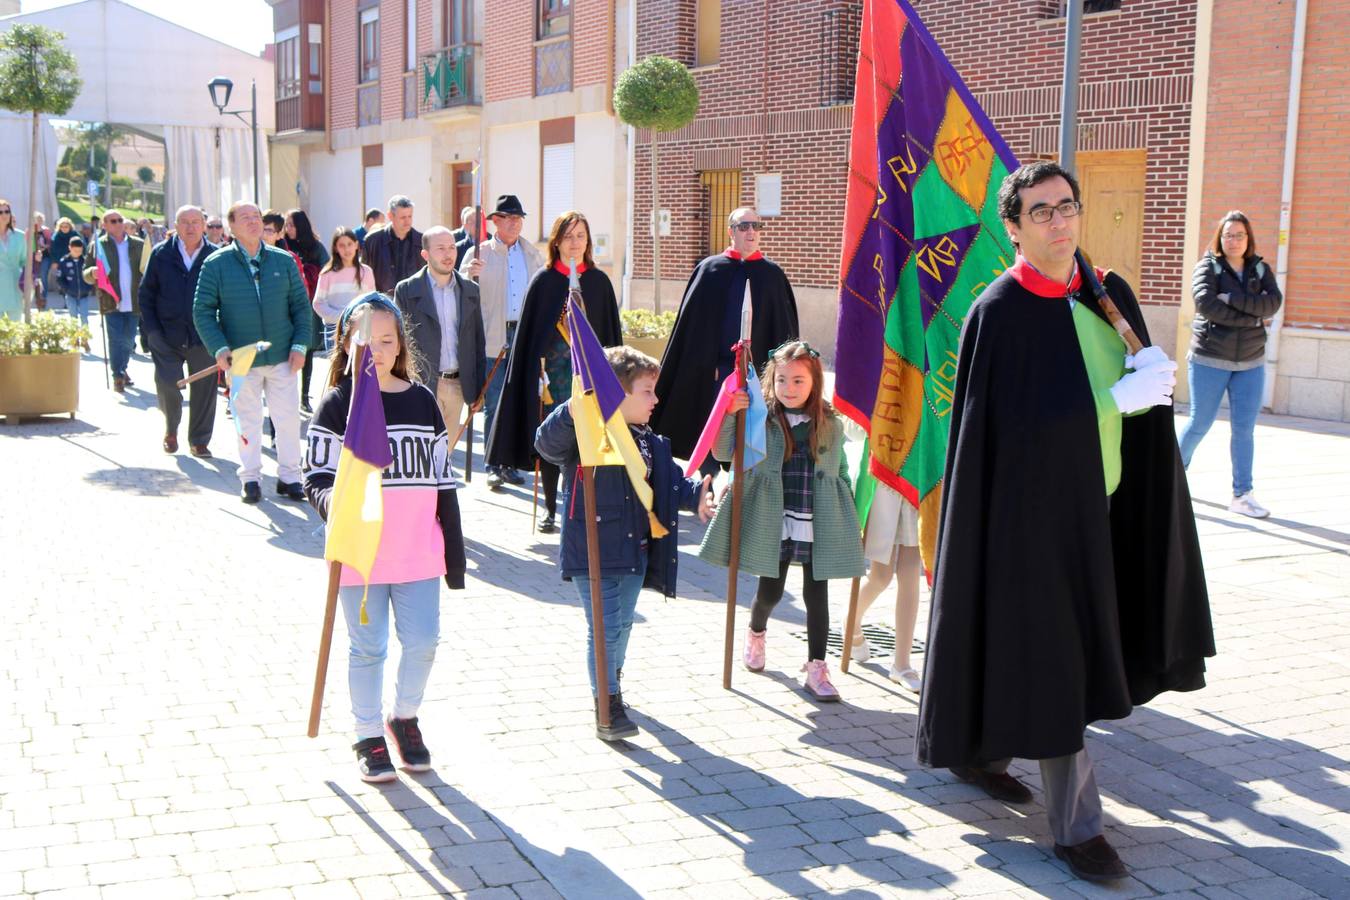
[(70, 276), (630, 558)]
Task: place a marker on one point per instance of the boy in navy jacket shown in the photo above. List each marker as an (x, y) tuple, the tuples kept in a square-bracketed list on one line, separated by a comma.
[(630, 558)]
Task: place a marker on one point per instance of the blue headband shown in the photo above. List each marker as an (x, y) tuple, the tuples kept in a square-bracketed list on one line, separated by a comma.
[(375, 299)]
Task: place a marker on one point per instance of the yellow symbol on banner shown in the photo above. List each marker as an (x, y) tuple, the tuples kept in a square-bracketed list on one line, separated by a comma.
[(1003, 264), (944, 386), (879, 266), (903, 165), (898, 411), (964, 155), (931, 257), (881, 198)]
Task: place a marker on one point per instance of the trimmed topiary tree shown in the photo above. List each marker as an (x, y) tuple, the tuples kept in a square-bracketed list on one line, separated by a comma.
[(658, 94), (38, 75)]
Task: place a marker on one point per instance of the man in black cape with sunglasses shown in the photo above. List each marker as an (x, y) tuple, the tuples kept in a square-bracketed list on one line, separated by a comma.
[(1068, 585), (700, 355)]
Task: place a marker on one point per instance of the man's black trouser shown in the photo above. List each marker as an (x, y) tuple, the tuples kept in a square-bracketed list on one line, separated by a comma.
[(169, 363)]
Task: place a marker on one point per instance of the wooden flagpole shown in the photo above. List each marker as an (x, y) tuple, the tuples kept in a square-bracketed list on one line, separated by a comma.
[(325, 645), (592, 549), (467, 424), (737, 489), (534, 506), (1118, 322)]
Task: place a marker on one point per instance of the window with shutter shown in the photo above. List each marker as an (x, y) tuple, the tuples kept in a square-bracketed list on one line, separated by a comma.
[(558, 181)]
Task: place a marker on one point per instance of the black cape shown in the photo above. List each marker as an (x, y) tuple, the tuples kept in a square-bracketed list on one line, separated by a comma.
[(689, 380), (512, 440), (1051, 608)]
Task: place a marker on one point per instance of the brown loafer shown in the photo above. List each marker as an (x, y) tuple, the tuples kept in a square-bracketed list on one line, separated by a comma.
[(201, 451), (170, 443), (119, 384), (999, 785), (1094, 860)]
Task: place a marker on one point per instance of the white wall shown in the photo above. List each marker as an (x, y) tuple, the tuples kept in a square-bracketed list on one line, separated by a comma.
[(513, 168), (331, 189), (409, 170), (594, 184)]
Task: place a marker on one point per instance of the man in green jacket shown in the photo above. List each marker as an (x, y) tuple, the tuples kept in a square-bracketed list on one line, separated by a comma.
[(249, 292)]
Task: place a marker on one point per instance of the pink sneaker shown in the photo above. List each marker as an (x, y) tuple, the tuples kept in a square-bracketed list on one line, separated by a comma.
[(818, 681), (754, 650)]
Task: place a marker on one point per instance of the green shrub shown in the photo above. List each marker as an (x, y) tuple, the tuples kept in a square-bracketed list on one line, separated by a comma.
[(643, 323), (46, 333)]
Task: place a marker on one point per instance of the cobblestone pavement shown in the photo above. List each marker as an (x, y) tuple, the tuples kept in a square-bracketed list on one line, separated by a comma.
[(160, 653)]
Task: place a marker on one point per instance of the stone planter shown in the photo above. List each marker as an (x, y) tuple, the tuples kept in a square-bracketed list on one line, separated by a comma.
[(653, 347), (39, 385)]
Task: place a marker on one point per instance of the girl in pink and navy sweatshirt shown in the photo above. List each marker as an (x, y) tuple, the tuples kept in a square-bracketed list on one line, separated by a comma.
[(421, 540)]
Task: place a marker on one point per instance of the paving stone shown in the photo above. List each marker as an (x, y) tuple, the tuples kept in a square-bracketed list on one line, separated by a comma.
[(182, 769)]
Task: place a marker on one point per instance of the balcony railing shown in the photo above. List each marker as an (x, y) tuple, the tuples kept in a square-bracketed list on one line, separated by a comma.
[(368, 104), (288, 114), (446, 79)]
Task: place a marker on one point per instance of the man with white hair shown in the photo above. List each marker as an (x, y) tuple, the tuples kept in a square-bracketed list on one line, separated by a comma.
[(166, 294), (395, 251)]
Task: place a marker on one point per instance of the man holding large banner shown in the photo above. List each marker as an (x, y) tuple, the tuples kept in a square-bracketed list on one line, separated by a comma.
[(1068, 585)]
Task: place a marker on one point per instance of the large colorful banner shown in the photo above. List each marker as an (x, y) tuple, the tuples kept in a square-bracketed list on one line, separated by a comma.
[(922, 239)]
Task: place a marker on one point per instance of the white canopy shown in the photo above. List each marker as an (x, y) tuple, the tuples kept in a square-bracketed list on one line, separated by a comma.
[(143, 71)]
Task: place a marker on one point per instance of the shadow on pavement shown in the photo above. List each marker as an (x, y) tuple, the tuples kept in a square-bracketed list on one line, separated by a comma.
[(146, 482), (772, 824), (1326, 534), (463, 838)]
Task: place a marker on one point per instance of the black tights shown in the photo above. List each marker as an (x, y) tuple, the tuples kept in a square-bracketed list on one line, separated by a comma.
[(816, 596), (548, 474)]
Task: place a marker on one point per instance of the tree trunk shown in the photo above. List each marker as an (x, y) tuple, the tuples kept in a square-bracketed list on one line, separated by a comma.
[(656, 234), (32, 236)]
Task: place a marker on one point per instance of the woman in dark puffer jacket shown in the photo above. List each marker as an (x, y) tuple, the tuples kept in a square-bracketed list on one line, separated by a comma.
[(1235, 292)]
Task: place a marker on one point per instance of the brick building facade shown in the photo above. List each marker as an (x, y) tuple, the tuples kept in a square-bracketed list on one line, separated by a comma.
[(777, 101), (1243, 130)]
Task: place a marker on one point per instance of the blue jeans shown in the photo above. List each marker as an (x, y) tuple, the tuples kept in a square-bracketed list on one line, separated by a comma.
[(121, 339), (417, 622), (494, 388), (1244, 402), (78, 306), (618, 599)]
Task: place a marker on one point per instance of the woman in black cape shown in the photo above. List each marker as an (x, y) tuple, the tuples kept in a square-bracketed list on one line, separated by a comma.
[(540, 349)]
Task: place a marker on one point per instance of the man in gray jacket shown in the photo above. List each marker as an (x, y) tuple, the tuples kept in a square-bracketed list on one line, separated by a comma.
[(444, 318), (503, 266)]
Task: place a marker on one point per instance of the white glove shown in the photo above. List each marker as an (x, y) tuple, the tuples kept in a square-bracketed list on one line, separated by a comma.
[(1149, 356), (1144, 388)]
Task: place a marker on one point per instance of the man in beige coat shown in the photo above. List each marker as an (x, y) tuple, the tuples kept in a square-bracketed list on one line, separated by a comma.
[(503, 266)]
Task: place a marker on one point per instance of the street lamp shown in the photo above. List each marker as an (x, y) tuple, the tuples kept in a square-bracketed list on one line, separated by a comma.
[(220, 89)]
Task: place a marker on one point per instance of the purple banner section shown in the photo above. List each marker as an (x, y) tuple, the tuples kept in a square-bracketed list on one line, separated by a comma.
[(590, 364), (367, 436)]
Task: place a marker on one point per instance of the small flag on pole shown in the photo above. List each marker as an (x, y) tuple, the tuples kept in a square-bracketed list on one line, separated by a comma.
[(241, 360), (755, 417), (603, 438), (101, 270), (356, 510)]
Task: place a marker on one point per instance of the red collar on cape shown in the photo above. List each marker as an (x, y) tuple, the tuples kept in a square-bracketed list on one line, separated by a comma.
[(1025, 274), (562, 269), (732, 254)]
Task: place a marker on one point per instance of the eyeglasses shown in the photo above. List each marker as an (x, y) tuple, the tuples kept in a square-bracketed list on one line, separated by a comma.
[(6, 212), (107, 221), (746, 226), (1042, 214), (215, 227)]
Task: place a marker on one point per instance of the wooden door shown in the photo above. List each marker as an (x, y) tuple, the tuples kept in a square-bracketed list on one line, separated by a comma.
[(1112, 183), (459, 191)]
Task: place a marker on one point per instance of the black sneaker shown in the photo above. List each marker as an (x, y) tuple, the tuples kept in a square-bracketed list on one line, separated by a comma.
[(291, 490), (620, 726), (372, 760), (251, 493), (549, 525), (494, 479), (408, 738), (512, 476)]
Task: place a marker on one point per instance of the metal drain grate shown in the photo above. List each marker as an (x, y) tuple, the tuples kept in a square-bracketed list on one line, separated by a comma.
[(881, 637)]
